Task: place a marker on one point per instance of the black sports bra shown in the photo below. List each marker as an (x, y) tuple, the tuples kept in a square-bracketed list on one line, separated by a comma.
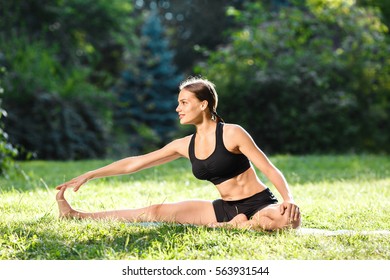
[(221, 165)]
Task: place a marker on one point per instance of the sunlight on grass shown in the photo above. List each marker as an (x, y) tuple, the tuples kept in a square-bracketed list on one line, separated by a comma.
[(334, 193)]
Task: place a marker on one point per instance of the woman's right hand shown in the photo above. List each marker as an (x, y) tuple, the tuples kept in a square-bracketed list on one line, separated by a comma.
[(75, 183)]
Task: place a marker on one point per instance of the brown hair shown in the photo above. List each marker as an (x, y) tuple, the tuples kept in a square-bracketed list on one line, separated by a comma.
[(203, 90)]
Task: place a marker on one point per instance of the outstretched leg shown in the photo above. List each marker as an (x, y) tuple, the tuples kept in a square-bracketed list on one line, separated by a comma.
[(187, 212)]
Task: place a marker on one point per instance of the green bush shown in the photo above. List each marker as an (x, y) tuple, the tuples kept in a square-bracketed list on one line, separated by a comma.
[(53, 112), (87, 32), (307, 79), (7, 151)]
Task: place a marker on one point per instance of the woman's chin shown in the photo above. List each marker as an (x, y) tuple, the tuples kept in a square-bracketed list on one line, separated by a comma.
[(182, 121)]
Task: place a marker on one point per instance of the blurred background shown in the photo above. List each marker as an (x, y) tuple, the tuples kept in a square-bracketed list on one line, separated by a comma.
[(82, 79)]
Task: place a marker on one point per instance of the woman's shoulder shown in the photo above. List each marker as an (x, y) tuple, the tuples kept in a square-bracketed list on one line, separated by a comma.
[(180, 145), (183, 140), (235, 135), (232, 128)]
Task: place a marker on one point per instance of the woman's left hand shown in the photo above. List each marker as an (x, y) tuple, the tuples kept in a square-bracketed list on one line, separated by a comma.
[(75, 183)]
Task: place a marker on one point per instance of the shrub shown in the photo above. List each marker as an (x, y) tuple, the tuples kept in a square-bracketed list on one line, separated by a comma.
[(53, 112), (7, 151), (307, 79)]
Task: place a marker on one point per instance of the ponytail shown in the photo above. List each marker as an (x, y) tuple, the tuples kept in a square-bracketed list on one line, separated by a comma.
[(216, 117)]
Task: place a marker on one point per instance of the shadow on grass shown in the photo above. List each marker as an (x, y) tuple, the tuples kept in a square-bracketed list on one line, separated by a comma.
[(48, 239)]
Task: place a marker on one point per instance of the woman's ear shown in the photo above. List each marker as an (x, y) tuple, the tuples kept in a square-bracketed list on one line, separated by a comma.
[(204, 105)]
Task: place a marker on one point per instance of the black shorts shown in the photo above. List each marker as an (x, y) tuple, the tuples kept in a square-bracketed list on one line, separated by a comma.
[(227, 210)]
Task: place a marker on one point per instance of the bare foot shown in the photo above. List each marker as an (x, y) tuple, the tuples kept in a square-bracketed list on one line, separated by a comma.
[(240, 218), (64, 208)]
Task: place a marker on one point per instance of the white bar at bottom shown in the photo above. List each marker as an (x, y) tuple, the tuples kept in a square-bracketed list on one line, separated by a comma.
[(182, 269)]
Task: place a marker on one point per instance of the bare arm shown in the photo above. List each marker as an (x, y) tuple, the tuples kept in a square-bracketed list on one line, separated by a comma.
[(170, 152), (245, 144)]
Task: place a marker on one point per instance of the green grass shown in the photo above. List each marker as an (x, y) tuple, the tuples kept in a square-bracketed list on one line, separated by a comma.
[(334, 193)]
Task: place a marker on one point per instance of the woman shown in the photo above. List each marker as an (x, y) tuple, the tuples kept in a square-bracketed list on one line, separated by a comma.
[(220, 153)]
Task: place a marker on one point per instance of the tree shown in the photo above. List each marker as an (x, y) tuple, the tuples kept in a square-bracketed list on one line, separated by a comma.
[(7, 151), (383, 5), (194, 26), (62, 58), (84, 32), (52, 113), (307, 79), (147, 95)]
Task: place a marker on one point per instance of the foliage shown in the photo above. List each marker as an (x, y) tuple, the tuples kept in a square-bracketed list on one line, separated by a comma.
[(382, 5), (307, 79), (333, 192), (7, 151), (87, 32), (147, 94), (331, 58), (193, 25), (63, 58), (52, 111)]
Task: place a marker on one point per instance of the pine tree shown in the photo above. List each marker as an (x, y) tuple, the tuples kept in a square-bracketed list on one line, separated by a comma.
[(147, 93)]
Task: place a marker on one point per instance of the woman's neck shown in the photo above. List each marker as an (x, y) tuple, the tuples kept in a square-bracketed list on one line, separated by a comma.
[(205, 128)]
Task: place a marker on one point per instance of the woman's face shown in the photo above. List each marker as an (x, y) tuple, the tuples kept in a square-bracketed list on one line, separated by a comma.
[(190, 108)]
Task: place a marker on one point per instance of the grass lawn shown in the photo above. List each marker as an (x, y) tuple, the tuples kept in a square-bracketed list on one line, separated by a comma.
[(334, 193)]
